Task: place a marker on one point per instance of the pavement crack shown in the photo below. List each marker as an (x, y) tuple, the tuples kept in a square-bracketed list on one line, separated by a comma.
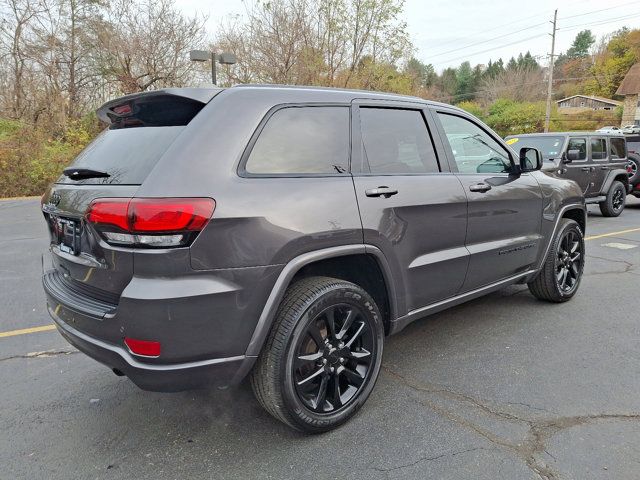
[(438, 389), (628, 265), (539, 431), (43, 354), (427, 459)]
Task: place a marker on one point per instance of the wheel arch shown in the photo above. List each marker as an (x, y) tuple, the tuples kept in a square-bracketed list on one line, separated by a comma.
[(577, 214), (617, 174), (339, 262)]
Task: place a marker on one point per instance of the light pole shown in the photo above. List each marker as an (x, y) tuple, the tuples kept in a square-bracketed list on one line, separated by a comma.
[(204, 56)]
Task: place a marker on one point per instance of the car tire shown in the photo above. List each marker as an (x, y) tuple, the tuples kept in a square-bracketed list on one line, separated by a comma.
[(634, 161), (559, 279), (315, 370), (615, 201)]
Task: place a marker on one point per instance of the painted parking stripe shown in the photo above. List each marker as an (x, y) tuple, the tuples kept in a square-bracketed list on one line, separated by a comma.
[(612, 234), (24, 331)]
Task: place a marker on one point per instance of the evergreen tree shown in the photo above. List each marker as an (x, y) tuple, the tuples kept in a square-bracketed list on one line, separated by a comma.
[(581, 44)]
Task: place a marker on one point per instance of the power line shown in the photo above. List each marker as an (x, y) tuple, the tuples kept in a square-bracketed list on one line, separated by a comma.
[(495, 48), (488, 40), (568, 28), (597, 11), (600, 22), (499, 27)]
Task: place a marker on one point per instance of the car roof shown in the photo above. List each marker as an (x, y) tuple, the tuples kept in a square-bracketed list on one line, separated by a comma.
[(567, 134), (334, 92)]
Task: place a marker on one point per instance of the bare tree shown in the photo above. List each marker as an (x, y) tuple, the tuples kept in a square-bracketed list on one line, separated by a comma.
[(143, 45), (521, 84), (17, 16), (322, 42)]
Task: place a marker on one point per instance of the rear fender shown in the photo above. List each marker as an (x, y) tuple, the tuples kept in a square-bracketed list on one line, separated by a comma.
[(613, 175)]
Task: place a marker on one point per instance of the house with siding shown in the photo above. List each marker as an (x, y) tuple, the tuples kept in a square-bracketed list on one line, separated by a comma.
[(630, 88), (586, 102)]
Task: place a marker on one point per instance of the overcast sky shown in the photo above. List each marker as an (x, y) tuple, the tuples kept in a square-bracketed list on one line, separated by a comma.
[(445, 32)]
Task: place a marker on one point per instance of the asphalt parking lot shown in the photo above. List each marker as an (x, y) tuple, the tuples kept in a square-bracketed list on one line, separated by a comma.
[(504, 387)]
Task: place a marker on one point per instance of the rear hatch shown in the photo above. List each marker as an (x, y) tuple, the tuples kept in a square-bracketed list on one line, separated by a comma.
[(86, 268)]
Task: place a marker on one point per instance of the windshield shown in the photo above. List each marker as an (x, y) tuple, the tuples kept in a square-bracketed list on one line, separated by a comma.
[(127, 154), (550, 147)]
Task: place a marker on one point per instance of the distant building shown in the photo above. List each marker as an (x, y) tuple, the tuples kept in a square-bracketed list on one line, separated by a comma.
[(630, 88), (586, 102)]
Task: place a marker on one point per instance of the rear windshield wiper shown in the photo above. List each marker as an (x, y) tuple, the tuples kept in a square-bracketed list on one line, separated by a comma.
[(81, 173)]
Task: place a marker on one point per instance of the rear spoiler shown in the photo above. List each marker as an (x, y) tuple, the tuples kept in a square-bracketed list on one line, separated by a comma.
[(166, 107)]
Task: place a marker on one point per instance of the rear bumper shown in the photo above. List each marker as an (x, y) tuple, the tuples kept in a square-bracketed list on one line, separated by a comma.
[(174, 377), (203, 321)]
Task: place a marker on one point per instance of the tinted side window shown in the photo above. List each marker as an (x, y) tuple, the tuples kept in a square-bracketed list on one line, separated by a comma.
[(473, 149), (579, 144), (617, 148), (300, 140), (598, 148), (397, 141)]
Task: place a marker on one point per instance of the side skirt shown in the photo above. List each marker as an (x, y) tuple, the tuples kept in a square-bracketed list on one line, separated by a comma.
[(400, 323)]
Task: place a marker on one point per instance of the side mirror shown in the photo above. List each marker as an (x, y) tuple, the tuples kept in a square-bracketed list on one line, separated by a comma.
[(530, 159), (571, 156)]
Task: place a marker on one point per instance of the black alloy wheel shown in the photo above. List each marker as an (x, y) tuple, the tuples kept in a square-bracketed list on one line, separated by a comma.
[(323, 354), (569, 257), (618, 199), (333, 358)]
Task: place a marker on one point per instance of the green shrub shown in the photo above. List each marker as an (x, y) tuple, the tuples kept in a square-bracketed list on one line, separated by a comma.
[(30, 158)]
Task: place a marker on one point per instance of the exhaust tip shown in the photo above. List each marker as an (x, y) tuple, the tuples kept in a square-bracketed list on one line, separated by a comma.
[(118, 372)]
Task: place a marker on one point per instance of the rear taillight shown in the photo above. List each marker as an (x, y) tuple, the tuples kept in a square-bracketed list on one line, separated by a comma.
[(150, 222)]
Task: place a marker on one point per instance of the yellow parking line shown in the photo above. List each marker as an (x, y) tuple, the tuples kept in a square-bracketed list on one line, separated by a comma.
[(612, 234), (24, 331)]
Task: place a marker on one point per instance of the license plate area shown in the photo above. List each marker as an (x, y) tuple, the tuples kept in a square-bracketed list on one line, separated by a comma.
[(67, 235)]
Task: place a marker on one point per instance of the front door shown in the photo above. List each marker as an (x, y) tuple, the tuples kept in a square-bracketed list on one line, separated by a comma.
[(505, 209), (411, 208), (579, 170)]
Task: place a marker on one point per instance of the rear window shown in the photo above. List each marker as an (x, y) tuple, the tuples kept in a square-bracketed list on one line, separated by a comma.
[(127, 154), (141, 129), (598, 148), (617, 148), (302, 140)]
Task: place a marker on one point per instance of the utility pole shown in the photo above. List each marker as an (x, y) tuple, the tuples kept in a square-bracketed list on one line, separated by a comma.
[(547, 116)]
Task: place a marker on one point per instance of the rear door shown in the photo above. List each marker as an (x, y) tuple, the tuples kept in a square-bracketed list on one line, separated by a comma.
[(599, 154), (412, 207), (504, 210), (579, 170)]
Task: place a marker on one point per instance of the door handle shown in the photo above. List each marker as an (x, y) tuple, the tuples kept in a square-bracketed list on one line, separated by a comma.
[(480, 187), (604, 168), (382, 191), (585, 169)]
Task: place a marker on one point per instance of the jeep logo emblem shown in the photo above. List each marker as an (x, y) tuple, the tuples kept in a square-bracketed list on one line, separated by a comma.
[(54, 199)]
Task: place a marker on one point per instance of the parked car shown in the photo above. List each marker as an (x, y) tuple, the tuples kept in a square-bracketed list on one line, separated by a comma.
[(633, 154), (631, 129), (597, 162), (280, 233), (609, 129)]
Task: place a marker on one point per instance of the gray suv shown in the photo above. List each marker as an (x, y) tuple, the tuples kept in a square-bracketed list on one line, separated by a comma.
[(281, 233), (595, 161)]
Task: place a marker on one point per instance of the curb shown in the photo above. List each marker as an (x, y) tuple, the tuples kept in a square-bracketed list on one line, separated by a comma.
[(8, 199)]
